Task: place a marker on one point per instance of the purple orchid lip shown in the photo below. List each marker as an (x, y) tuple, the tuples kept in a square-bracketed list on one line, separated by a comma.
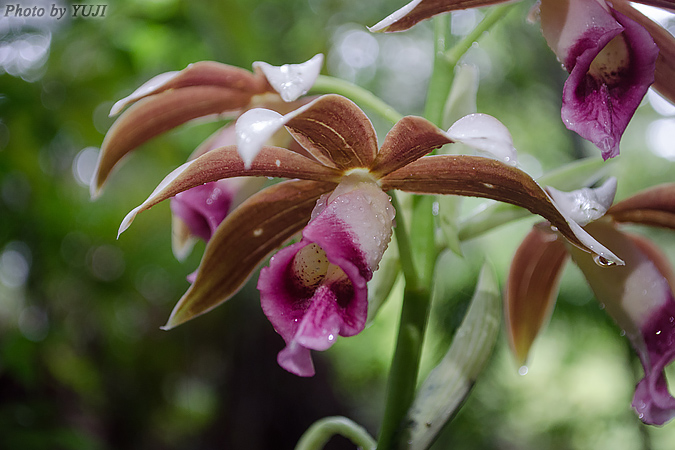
[(652, 401), (607, 81), (202, 208), (315, 290), (612, 51)]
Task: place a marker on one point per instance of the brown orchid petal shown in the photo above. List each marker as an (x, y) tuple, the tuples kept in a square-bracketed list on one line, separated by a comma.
[(243, 240), (532, 288), (655, 206), (154, 115), (203, 73), (656, 256), (224, 162), (418, 10), (410, 139), (476, 176), (665, 62), (336, 132)]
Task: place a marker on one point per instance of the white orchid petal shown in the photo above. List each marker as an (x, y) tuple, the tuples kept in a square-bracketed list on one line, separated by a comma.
[(144, 89), (395, 16), (598, 250), (486, 134), (292, 80), (254, 128), (585, 205)]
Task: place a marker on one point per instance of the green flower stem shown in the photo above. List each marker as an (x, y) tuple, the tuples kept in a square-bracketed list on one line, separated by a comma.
[(405, 366), (322, 430), (404, 370), (453, 55), (330, 85), (441, 76), (413, 323), (404, 248)]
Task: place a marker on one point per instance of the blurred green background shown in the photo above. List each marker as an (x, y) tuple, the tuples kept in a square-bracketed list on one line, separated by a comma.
[(83, 363)]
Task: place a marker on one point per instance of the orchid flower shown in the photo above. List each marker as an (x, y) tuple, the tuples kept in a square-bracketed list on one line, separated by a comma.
[(316, 289), (197, 212), (612, 52), (202, 89), (638, 295)]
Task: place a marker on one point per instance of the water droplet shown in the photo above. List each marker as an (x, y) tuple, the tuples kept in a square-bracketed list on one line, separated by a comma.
[(522, 371), (435, 208), (602, 261), (623, 333), (602, 306), (658, 332), (331, 338)]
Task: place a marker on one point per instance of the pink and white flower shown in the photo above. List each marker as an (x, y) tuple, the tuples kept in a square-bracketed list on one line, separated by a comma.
[(315, 290), (612, 52), (638, 295)]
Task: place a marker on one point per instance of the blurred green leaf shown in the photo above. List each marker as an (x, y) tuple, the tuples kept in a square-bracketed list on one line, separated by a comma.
[(449, 383)]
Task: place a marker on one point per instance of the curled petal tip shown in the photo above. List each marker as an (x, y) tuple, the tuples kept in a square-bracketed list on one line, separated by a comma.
[(94, 191), (254, 128), (128, 219), (292, 80), (485, 134), (146, 88), (394, 17), (585, 205)]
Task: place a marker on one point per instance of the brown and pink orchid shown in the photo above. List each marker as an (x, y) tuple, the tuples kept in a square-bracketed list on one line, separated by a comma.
[(612, 52), (205, 89), (638, 295), (316, 289)]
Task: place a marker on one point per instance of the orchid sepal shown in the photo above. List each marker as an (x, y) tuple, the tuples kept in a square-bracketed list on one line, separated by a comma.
[(243, 240)]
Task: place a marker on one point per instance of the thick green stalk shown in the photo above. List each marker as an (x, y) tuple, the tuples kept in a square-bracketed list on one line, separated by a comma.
[(405, 366), (441, 76), (404, 247), (363, 97), (404, 370)]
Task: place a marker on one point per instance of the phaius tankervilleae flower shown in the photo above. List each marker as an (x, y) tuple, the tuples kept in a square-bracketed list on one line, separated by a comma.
[(638, 295), (202, 89), (612, 52), (197, 212), (316, 289)]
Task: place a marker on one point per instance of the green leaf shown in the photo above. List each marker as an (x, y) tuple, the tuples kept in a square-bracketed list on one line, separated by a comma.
[(450, 382)]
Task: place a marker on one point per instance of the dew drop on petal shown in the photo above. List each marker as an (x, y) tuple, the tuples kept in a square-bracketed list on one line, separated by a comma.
[(435, 208), (602, 261), (522, 371)]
